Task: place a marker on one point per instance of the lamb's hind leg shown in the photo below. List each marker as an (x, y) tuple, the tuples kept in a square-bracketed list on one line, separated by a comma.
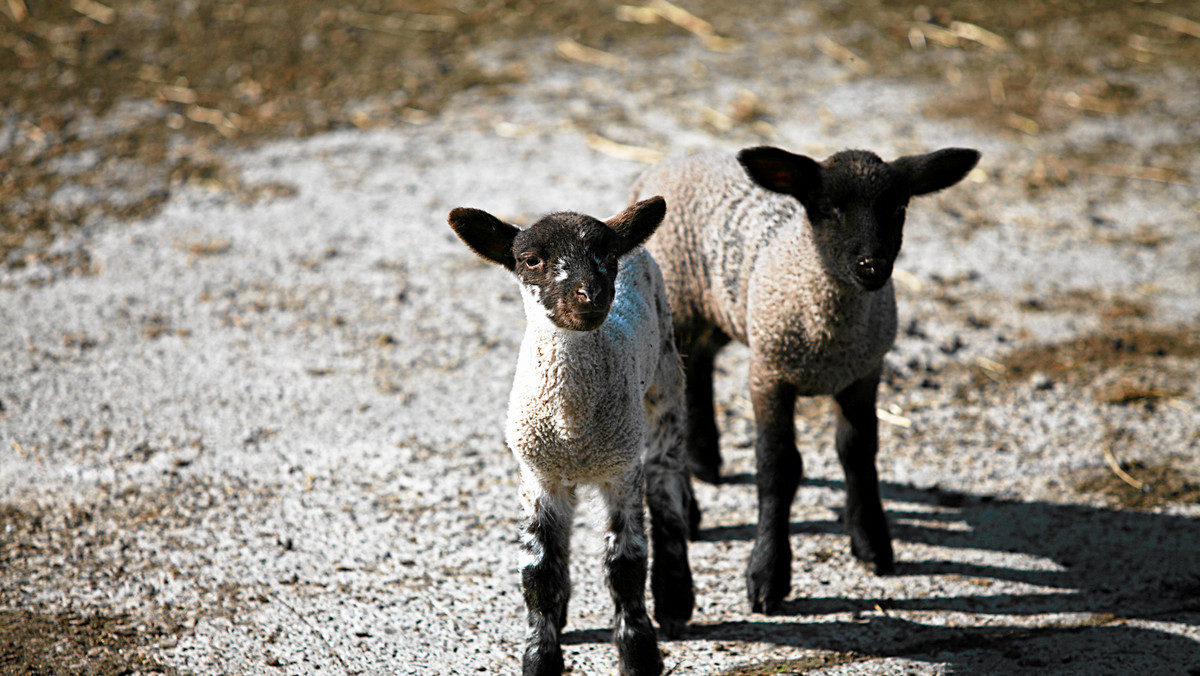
[(545, 577), (669, 496), (625, 564), (857, 445), (703, 439)]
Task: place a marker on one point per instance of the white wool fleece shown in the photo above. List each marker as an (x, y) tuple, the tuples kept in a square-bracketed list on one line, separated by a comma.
[(576, 412)]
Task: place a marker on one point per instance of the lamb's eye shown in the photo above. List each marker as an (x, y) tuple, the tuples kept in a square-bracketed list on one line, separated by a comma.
[(533, 262)]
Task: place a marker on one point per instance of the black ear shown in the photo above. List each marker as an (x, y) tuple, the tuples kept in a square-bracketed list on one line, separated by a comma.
[(936, 170), (485, 234), (639, 220), (779, 171)]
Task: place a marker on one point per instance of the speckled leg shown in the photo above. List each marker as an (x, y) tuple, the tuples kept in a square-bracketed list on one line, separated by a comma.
[(778, 470), (625, 562), (545, 578), (857, 445), (669, 496)]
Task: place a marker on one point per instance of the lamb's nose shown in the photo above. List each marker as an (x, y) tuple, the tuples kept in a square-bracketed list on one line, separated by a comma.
[(873, 272), (583, 294), (870, 265)]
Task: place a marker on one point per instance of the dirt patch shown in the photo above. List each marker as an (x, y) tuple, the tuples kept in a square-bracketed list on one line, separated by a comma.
[(73, 643), (1094, 353), (1142, 486), (101, 545), (127, 99), (1027, 65), (797, 666), (1089, 301), (1030, 67)]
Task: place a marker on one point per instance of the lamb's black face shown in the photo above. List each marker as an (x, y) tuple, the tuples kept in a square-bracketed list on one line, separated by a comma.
[(859, 217), (856, 202), (567, 263)]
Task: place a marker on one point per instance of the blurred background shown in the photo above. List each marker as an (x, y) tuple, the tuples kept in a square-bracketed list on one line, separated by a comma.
[(126, 99)]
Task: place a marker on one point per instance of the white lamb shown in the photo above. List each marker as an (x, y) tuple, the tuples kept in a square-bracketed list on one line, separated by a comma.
[(597, 399)]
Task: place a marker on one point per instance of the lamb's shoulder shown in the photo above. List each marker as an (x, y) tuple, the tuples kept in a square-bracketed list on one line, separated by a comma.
[(744, 230), (717, 221)]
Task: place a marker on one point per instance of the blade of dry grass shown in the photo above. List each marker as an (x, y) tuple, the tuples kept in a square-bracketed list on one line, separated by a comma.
[(1116, 468), (623, 151), (843, 55), (573, 51), (1175, 23)]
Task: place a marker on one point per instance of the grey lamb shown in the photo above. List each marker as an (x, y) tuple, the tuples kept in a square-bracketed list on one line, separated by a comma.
[(597, 399), (792, 257)]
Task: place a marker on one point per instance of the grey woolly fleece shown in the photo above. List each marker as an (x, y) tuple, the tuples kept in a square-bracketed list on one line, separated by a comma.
[(747, 260)]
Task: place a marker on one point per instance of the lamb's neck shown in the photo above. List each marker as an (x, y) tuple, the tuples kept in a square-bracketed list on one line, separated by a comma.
[(554, 354), (563, 383), (558, 342)]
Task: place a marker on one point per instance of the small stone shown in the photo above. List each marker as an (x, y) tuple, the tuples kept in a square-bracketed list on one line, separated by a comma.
[(952, 346)]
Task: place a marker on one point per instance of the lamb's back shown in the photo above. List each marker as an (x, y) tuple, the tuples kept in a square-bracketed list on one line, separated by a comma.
[(717, 223), (745, 260)]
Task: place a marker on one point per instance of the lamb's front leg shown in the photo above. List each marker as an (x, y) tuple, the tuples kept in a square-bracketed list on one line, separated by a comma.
[(778, 470), (545, 577), (857, 445), (625, 563)]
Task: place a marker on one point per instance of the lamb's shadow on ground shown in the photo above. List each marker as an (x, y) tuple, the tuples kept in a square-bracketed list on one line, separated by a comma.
[(1100, 566)]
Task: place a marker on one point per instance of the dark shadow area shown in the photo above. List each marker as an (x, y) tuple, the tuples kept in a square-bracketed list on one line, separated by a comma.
[(1125, 562), (1103, 649), (1112, 563), (1091, 648), (743, 479)]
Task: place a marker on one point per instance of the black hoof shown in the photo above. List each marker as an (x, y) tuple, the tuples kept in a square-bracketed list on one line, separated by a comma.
[(766, 596), (545, 662), (881, 559), (637, 650)]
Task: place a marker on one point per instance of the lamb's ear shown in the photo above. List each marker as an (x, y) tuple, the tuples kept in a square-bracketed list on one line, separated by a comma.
[(936, 170), (485, 234), (639, 220), (779, 171)]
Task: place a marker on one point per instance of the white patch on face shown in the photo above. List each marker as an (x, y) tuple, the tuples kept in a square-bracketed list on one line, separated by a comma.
[(532, 297), (560, 271)]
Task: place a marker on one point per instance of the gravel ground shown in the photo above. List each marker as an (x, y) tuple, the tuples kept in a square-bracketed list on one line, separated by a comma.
[(260, 431)]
